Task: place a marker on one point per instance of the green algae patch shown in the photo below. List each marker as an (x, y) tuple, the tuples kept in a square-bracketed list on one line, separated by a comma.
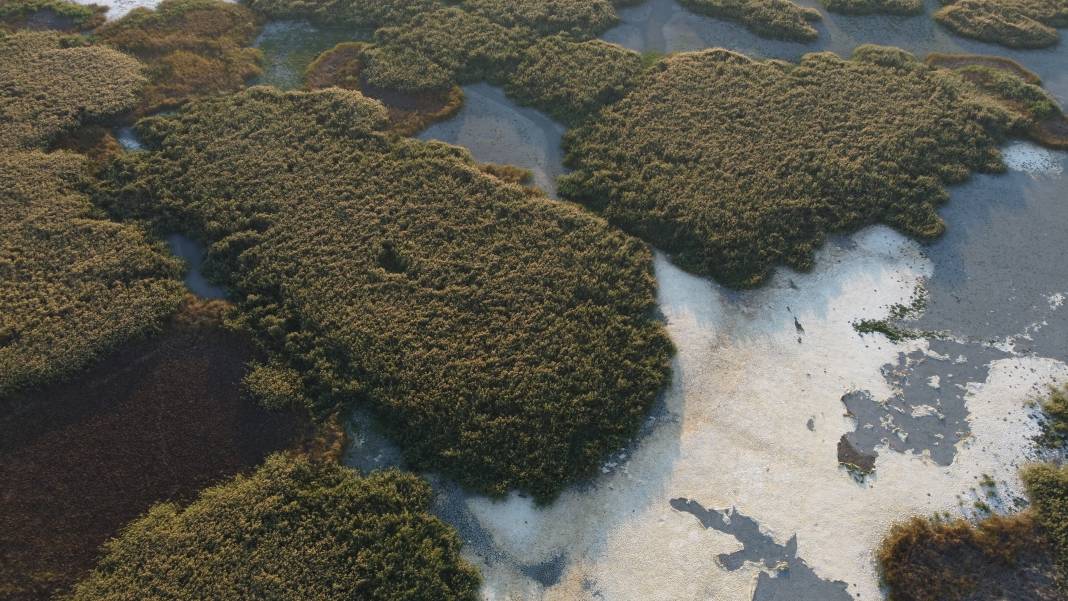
[(409, 113), (74, 286), (775, 19), (504, 338), (192, 48), (874, 7), (1012, 23), (59, 15), (570, 80), (55, 84), (293, 529), (734, 165)]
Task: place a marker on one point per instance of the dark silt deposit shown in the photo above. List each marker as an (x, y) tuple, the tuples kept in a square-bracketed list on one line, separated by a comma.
[(793, 579)]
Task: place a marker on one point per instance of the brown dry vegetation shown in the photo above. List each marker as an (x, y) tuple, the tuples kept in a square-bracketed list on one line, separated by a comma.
[(192, 48), (735, 165), (292, 530), (1012, 23), (54, 83), (776, 19), (501, 337), (158, 419), (409, 113), (72, 285)]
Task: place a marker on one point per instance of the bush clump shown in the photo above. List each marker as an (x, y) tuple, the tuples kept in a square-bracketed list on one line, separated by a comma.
[(52, 87), (735, 165), (1047, 486), (775, 19), (570, 80), (1012, 23), (291, 530), (583, 18), (874, 7), (192, 48), (74, 286), (50, 14), (367, 14), (504, 338)]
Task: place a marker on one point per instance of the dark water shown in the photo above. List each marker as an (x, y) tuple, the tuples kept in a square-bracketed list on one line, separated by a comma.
[(290, 46), (193, 254)]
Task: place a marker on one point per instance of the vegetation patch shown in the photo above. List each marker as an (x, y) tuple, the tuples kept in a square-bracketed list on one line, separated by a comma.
[(583, 18), (504, 338), (75, 286), (50, 14), (409, 113), (1016, 89), (1055, 419), (55, 83), (157, 420), (734, 165), (291, 530), (570, 80), (776, 19), (192, 48), (364, 14), (1012, 23), (873, 7), (1047, 485)]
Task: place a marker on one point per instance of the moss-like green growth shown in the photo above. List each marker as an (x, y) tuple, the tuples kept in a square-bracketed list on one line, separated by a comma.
[(291, 530), (734, 165), (570, 80), (52, 87), (502, 337), (74, 286), (874, 7), (1055, 419), (366, 14), (775, 19), (1012, 23), (1047, 486), (60, 15), (192, 48), (409, 113), (1015, 88)]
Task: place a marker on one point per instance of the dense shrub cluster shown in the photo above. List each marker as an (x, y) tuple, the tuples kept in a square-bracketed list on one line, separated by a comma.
[(366, 14), (73, 286), (291, 530), (1012, 23), (50, 14), (1047, 485), (580, 17), (735, 165), (192, 48), (501, 337), (871, 7), (776, 19), (569, 79), (50, 87)]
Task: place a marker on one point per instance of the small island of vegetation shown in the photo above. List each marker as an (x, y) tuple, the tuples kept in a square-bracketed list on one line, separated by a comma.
[(776, 19), (1012, 23)]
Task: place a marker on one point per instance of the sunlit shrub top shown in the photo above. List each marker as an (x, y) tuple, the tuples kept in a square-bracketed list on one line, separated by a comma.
[(869, 7), (292, 530), (72, 286), (1047, 486), (52, 84), (1013, 23), (581, 17), (735, 165), (504, 338), (569, 80), (192, 48), (776, 19), (357, 13)]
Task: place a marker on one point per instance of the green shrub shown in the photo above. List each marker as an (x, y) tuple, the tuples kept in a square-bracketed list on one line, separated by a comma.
[(776, 19), (872, 7), (74, 286), (357, 13), (291, 530), (1055, 424), (570, 80), (192, 48), (276, 386), (1012, 23), (734, 165), (50, 14), (51, 88), (1047, 485), (504, 338), (583, 18)]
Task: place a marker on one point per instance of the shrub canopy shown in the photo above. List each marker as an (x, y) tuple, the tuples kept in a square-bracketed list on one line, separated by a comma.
[(51, 87), (1047, 486), (776, 19), (73, 286), (291, 530), (871, 7), (192, 48), (502, 337), (50, 14), (735, 164), (1012, 23)]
